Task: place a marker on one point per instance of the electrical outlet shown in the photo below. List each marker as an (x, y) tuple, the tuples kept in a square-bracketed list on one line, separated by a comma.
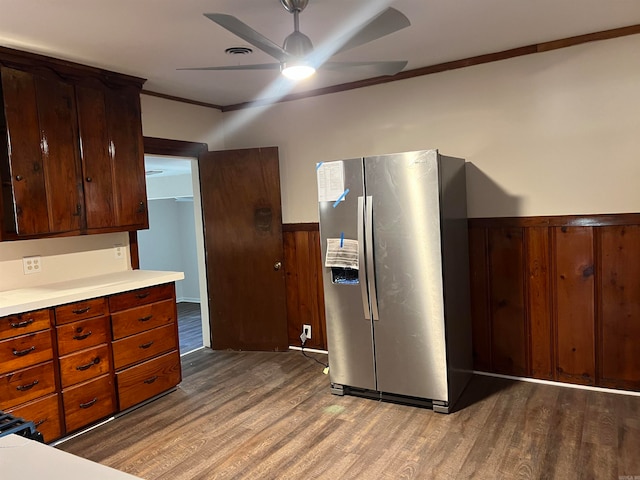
[(31, 264), (119, 251), (306, 329)]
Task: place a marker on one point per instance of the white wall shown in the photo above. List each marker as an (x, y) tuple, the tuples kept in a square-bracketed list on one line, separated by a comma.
[(181, 121), (546, 134), (169, 244), (62, 259), (551, 133)]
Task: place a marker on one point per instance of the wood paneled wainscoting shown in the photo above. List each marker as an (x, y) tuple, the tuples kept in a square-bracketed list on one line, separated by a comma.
[(554, 298), (557, 298), (303, 279)]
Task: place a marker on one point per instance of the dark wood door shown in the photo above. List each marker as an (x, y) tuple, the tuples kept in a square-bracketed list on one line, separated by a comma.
[(127, 153), (96, 161), (243, 235), (112, 156), (42, 157)]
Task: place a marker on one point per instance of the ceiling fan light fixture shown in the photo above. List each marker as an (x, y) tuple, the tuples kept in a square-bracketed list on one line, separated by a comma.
[(297, 70)]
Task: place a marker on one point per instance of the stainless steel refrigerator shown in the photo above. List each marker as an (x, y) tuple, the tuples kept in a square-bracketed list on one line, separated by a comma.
[(396, 276)]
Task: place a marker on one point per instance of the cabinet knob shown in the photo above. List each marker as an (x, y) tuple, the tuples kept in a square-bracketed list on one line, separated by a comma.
[(89, 179), (19, 177)]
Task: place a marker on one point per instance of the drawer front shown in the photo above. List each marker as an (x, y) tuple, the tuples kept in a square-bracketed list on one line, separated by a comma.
[(139, 383), (25, 385), (88, 402), (144, 345), (22, 352), (96, 307), (23, 323), (44, 413), (84, 365), (142, 296), (83, 334), (136, 320)]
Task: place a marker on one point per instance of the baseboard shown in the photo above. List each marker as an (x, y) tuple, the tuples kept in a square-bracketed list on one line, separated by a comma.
[(560, 384), (187, 300)]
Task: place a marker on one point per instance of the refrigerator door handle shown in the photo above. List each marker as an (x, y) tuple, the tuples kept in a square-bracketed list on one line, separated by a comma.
[(361, 260), (371, 272)]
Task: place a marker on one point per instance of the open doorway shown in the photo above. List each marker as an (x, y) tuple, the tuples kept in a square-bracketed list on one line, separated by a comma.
[(174, 241)]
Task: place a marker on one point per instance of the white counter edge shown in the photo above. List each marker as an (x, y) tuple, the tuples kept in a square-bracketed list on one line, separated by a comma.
[(45, 296)]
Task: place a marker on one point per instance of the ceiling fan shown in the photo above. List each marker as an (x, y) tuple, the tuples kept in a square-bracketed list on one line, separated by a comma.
[(297, 58)]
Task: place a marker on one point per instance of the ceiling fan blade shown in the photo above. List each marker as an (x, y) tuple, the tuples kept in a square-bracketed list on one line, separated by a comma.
[(260, 66), (380, 68), (388, 21), (248, 34)]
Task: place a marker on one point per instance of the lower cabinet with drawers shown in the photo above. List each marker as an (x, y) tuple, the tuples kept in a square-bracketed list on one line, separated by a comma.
[(72, 365)]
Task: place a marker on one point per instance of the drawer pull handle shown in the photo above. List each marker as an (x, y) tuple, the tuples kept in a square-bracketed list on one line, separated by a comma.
[(80, 311), (39, 422), (89, 404), (82, 336), (140, 296), (22, 324), (87, 366), (24, 388), (22, 353), (149, 381), (145, 319), (146, 345)]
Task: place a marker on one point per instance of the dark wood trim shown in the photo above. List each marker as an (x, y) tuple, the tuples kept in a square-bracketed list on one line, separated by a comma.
[(163, 146), (597, 220), (453, 65), (301, 227), (175, 148), (133, 250), (63, 68), (181, 99)]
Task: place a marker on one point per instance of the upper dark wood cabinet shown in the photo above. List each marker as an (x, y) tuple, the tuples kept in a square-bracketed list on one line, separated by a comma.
[(71, 155), (111, 149)]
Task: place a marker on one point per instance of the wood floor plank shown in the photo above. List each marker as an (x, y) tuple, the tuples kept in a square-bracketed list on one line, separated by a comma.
[(265, 415)]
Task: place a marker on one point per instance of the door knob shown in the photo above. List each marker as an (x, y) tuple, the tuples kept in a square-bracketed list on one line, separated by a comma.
[(277, 266)]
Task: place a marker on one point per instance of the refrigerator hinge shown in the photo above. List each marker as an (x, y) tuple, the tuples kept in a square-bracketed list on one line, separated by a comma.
[(337, 389), (440, 407)]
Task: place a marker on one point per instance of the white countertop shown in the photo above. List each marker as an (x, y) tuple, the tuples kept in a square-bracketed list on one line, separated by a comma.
[(44, 296), (24, 458)]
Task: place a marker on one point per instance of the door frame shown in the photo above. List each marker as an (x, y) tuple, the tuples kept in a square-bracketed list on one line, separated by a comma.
[(192, 150)]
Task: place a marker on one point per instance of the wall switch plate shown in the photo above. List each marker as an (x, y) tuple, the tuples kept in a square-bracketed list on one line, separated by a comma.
[(31, 264), (306, 329), (118, 251)]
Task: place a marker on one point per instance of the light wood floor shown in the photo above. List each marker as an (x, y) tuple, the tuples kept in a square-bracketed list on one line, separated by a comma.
[(252, 415)]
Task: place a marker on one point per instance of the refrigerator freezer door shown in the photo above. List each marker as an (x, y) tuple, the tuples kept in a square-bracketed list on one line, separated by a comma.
[(349, 333), (409, 337)]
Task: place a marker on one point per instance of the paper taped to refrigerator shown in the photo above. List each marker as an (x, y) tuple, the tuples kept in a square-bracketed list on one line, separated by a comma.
[(330, 181), (343, 253)]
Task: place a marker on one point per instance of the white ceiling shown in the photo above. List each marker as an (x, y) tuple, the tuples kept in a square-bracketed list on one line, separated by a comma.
[(152, 38)]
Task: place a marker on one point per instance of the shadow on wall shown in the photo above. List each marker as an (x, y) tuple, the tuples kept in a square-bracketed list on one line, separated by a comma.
[(485, 198)]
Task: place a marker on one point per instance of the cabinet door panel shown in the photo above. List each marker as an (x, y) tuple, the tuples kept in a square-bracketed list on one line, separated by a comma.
[(127, 153), (25, 350), (143, 381), (44, 413), (58, 129), (25, 385), (26, 173), (84, 365), (96, 162), (88, 402)]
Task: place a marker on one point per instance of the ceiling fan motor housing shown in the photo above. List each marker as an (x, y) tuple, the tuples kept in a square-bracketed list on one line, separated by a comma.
[(294, 5), (297, 44)]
